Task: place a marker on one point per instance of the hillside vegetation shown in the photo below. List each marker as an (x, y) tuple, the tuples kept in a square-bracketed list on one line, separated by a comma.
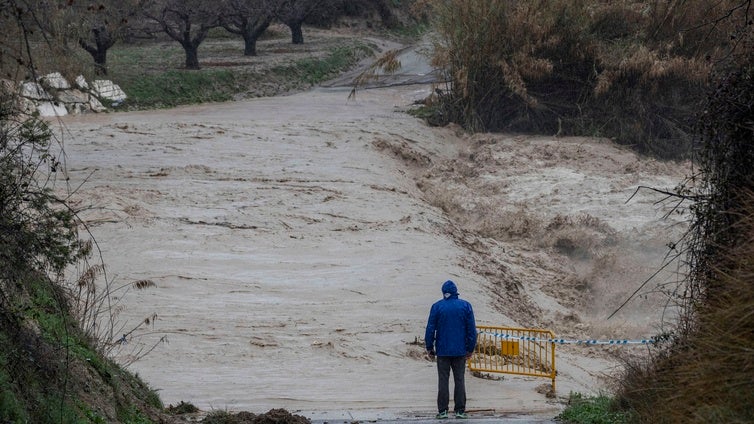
[(704, 372), (56, 325), (632, 71)]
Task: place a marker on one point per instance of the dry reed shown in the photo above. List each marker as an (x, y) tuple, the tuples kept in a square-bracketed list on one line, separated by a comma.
[(707, 375), (634, 71)]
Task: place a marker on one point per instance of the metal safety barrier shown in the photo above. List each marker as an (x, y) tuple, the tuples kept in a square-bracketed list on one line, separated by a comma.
[(520, 351)]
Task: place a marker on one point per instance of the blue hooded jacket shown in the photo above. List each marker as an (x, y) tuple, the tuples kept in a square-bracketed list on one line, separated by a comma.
[(451, 329)]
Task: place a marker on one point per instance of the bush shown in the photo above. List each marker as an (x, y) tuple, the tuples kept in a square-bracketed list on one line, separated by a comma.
[(592, 410), (704, 373), (631, 71)]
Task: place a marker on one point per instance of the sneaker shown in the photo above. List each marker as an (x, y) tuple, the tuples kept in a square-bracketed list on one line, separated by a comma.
[(442, 415), (461, 415)]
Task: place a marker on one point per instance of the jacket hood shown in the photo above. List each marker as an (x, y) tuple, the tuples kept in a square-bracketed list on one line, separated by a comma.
[(449, 289)]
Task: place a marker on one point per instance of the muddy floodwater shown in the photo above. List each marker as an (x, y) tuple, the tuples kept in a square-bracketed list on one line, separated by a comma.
[(296, 244)]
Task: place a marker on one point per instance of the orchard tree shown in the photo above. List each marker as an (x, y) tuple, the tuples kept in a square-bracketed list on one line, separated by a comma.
[(46, 22), (249, 19), (293, 13), (93, 26), (187, 22), (102, 24)]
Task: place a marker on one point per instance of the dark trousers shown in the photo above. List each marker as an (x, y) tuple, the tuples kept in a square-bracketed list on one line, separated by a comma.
[(444, 365)]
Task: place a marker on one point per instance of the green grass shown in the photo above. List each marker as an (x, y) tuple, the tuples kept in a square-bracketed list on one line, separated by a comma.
[(11, 409), (314, 71), (143, 59), (152, 74), (177, 87), (56, 411), (411, 32), (592, 410), (132, 415)]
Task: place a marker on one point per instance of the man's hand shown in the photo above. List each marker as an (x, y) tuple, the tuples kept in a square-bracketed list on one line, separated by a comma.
[(431, 354), (469, 355)]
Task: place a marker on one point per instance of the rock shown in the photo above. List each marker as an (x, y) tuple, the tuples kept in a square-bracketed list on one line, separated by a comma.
[(81, 83), (95, 105), (26, 106), (34, 91), (7, 86), (62, 98), (75, 101), (107, 90), (73, 96), (51, 109), (56, 81), (77, 108)]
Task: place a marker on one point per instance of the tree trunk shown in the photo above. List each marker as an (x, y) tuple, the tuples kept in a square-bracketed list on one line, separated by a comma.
[(98, 51), (252, 34), (297, 34), (192, 56), (100, 61), (250, 46)]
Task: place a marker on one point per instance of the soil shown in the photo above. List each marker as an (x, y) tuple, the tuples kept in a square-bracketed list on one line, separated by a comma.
[(273, 416), (296, 243)]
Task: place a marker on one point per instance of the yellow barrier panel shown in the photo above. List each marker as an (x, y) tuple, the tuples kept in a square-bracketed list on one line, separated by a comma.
[(509, 350)]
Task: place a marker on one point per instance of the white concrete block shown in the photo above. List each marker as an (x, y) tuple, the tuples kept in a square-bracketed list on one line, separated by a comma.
[(34, 91), (95, 105), (51, 109), (107, 90), (55, 80), (73, 96), (81, 83)]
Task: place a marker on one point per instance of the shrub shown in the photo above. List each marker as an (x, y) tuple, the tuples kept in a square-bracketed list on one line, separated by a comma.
[(592, 410), (704, 373), (631, 71)]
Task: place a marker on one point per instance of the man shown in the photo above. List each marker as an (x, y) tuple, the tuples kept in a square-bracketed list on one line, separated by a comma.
[(451, 336)]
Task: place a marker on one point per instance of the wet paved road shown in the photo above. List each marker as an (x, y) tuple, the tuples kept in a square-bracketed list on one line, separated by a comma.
[(472, 420), (482, 417)]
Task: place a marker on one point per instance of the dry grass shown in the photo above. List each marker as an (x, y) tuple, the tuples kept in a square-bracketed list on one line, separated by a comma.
[(705, 373), (634, 71), (707, 376), (387, 63), (27, 54)]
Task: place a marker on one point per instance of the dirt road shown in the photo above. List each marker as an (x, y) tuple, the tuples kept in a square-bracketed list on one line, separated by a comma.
[(296, 244)]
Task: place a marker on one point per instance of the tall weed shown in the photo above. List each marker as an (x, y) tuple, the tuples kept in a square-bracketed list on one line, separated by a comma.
[(631, 71), (706, 375)]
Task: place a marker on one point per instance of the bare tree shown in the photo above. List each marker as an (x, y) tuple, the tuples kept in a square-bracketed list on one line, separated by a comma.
[(249, 19), (40, 21), (102, 25), (187, 22), (293, 13), (95, 27)]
